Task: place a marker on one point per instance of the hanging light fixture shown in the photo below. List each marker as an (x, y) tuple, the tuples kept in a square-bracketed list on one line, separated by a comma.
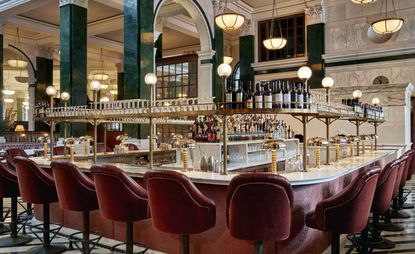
[(364, 1), (387, 24), (101, 75), (8, 92), (17, 63), (229, 20), (8, 100), (273, 42)]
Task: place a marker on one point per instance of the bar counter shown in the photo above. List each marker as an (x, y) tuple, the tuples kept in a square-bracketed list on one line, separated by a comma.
[(309, 188)]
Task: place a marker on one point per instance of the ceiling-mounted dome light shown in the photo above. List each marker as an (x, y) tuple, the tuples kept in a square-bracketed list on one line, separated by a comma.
[(228, 20), (364, 1), (387, 24), (274, 42)]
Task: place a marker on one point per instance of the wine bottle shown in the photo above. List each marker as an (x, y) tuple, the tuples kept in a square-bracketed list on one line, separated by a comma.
[(250, 97), (268, 97), (293, 96), (258, 96), (229, 99), (239, 94), (277, 97), (300, 96), (287, 95), (308, 96)]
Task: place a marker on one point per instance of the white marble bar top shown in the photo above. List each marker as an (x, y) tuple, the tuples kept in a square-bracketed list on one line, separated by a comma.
[(314, 175)]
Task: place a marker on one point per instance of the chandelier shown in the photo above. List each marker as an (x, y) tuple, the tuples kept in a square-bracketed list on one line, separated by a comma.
[(17, 63), (364, 1), (387, 24), (229, 20), (101, 75), (273, 42)]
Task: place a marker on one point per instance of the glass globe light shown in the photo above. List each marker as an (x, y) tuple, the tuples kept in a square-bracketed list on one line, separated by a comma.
[(95, 85), (150, 79), (105, 99), (327, 82), (375, 101), (304, 72), (357, 94), (227, 59), (224, 70), (51, 91), (65, 96)]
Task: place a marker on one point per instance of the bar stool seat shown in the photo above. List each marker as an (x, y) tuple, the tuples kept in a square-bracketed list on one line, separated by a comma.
[(9, 188), (120, 198), (411, 172), (258, 208), (348, 211), (37, 187), (76, 192), (177, 206)]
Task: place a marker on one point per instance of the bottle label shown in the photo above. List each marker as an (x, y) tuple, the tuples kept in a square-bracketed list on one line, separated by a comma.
[(228, 97), (277, 98), (239, 97), (258, 101), (268, 101), (249, 103), (287, 100)]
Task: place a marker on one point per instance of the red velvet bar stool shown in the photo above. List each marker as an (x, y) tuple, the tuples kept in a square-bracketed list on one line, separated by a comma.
[(27, 214), (396, 210), (76, 192), (37, 187), (348, 211), (132, 147), (403, 193), (60, 150), (258, 208), (380, 204), (388, 225), (9, 188), (120, 198), (177, 206)]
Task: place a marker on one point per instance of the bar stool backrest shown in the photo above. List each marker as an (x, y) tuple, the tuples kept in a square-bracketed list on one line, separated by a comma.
[(405, 174), (385, 186), (411, 170), (11, 153), (76, 191), (176, 205), (399, 176), (8, 182), (35, 185), (120, 198), (258, 207)]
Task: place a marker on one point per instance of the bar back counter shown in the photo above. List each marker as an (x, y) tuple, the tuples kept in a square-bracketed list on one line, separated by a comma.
[(309, 188)]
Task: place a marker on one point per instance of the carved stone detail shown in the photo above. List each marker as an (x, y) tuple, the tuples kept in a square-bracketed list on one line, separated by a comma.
[(81, 3), (314, 14), (45, 52), (247, 28)]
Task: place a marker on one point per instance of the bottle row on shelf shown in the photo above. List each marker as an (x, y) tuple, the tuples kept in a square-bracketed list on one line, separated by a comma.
[(364, 109)]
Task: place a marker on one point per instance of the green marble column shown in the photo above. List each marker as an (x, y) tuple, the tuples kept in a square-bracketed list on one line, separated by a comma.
[(217, 60), (19, 115), (246, 58), (44, 69), (315, 52), (138, 54), (1, 82), (73, 43)]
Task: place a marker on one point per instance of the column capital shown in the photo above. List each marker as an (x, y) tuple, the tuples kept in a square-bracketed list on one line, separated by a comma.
[(314, 14), (204, 55), (247, 28), (81, 3), (120, 67), (45, 52)]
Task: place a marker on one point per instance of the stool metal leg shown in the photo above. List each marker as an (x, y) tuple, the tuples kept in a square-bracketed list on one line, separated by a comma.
[(3, 228), (85, 232), (335, 243), (46, 248), (259, 247), (129, 238), (388, 225), (184, 244), (396, 214), (14, 239)]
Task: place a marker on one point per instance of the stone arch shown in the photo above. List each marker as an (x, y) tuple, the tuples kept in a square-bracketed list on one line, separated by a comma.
[(199, 17)]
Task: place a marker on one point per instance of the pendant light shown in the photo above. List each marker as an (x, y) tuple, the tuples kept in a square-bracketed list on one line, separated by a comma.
[(273, 42), (8, 91), (101, 75), (229, 20), (387, 24), (364, 1), (17, 63)]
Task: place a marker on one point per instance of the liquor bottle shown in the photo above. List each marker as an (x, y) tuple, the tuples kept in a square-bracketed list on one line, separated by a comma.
[(287, 95), (268, 96), (300, 96), (293, 96), (229, 99), (258, 96), (239, 96), (250, 97), (306, 104), (277, 97), (309, 98)]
